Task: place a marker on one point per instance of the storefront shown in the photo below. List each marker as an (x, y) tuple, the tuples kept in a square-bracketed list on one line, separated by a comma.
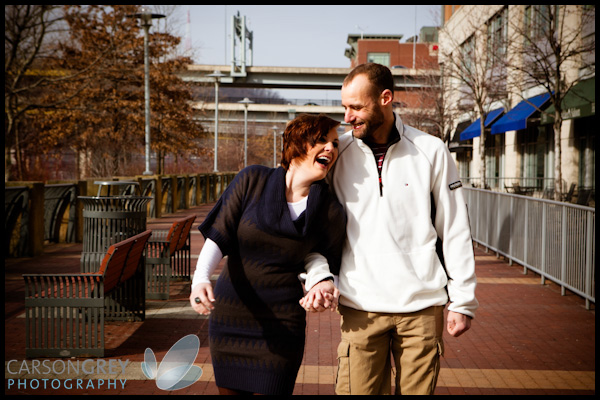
[(579, 105)]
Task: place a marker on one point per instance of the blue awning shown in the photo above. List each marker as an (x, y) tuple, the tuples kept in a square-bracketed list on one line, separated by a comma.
[(474, 129), (516, 118)]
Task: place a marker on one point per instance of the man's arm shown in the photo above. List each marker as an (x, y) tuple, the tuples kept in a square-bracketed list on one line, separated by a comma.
[(451, 222)]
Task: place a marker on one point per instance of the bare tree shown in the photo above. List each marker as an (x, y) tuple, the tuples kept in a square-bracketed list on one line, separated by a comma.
[(553, 47), (75, 82), (435, 112), (474, 69), (33, 66), (26, 28)]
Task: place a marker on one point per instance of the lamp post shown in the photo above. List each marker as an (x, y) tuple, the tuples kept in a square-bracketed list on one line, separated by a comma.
[(245, 102), (146, 18), (217, 75)]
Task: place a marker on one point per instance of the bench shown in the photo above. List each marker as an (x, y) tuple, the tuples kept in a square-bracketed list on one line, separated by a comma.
[(548, 194), (569, 195), (65, 313), (584, 196), (523, 190), (168, 257)]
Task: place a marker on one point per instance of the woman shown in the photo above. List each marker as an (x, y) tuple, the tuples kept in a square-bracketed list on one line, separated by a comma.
[(267, 222)]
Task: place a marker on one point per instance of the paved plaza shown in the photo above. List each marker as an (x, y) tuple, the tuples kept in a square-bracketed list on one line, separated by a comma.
[(526, 338)]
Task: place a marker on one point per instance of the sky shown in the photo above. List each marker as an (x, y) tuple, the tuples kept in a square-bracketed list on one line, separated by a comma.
[(298, 35)]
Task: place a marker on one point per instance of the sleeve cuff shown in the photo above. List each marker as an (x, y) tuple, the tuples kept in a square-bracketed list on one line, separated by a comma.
[(317, 270)]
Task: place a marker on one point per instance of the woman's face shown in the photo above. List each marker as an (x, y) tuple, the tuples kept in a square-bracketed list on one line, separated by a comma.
[(321, 157)]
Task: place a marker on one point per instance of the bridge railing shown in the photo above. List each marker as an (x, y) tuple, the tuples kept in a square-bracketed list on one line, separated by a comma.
[(554, 239), (275, 100), (35, 213)]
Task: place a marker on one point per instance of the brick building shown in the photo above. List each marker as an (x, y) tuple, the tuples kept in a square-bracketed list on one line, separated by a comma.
[(388, 50), (403, 58)]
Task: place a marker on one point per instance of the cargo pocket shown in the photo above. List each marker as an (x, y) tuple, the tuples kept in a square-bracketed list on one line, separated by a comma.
[(342, 380), (436, 370), (440, 347)]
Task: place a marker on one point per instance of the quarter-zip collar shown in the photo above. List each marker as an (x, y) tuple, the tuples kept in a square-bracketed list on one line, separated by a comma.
[(396, 133), (379, 151)]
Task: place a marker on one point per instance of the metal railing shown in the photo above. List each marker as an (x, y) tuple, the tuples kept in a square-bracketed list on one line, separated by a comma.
[(35, 212), (501, 183), (277, 100), (554, 239)]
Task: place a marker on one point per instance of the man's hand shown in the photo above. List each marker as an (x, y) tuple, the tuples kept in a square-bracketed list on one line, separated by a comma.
[(457, 323), (203, 292), (320, 297)]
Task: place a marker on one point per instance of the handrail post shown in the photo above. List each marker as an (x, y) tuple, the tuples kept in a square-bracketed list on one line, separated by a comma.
[(589, 262)]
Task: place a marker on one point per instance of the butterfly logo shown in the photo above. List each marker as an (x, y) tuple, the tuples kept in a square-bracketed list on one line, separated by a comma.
[(177, 369)]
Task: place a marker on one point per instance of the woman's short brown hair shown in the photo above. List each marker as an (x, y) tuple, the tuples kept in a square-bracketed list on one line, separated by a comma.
[(303, 131)]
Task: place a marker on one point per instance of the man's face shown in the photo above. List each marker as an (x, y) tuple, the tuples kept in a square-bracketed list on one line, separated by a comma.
[(362, 111)]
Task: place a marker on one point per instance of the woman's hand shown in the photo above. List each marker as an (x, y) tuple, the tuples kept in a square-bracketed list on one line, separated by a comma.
[(320, 297), (202, 298)]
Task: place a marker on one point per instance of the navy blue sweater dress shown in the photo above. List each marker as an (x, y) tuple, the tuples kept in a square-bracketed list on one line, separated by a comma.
[(257, 329)]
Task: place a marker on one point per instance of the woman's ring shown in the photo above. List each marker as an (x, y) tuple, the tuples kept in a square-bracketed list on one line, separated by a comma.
[(197, 300)]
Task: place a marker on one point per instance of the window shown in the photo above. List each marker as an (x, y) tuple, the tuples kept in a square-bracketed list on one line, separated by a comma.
[(539, 20), (497, 31), (468, 53), (586, 137), (463, 159), (379, 58), (537, 156), (494, 159)]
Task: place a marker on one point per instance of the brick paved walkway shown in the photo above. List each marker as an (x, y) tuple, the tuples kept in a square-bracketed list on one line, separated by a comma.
[(526, 338)]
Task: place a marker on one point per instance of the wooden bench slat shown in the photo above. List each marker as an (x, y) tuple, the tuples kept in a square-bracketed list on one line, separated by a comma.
[(185, 232), (173, 239), (114, 262), (167, 257), (135, 255)]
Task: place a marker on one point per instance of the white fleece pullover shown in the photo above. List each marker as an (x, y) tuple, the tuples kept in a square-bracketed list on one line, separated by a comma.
[(389, 262)]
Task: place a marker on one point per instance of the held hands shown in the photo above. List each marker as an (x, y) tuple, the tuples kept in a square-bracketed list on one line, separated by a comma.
[(320, 297), (202, 298)]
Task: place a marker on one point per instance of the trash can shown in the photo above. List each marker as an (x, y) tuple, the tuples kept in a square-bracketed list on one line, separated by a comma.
[(108, 220)]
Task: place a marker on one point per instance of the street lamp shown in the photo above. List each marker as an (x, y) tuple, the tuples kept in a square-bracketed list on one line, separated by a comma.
[(217, 75), (146, 18), (245, 102)]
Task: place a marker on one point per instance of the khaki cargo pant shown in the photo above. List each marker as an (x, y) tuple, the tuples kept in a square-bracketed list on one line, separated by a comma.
[(413, 339)]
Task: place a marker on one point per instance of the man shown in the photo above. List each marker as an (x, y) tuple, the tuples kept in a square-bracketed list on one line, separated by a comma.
[(401, 192)]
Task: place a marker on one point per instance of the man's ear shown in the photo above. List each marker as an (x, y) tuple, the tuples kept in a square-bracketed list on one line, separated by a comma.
[(387, 97)]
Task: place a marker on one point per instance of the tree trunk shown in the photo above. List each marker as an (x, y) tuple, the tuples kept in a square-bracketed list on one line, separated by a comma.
[(482, 149), (557, 155)]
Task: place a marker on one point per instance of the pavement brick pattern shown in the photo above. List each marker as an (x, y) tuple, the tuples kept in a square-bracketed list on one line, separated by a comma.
[(526, 338)]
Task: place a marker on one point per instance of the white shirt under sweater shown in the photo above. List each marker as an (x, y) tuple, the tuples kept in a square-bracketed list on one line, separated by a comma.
[(211, 255)]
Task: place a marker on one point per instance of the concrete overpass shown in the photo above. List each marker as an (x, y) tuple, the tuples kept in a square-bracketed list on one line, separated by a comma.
[(263, 113), (297, 77)]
